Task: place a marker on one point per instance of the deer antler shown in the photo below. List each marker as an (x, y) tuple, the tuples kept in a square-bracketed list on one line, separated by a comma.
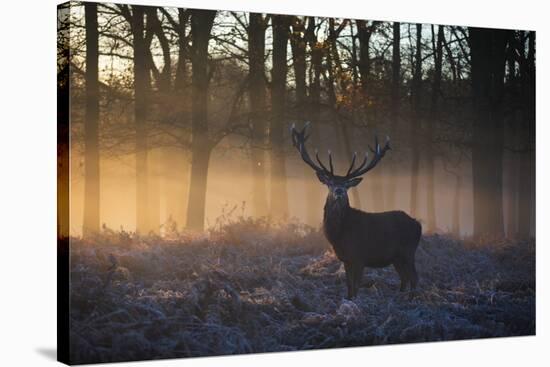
[(299, 138), (364, 167)]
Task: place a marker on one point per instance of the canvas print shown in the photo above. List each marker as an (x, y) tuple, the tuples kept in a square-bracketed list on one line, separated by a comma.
[(233, 182)]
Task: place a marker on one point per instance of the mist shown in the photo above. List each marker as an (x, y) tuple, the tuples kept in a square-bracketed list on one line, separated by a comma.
[(229, 190), (155, 137)]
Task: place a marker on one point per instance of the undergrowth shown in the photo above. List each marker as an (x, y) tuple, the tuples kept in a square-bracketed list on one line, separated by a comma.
[(250, 286)]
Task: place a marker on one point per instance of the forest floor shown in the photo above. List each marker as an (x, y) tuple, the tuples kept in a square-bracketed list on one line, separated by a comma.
[(248, 287)]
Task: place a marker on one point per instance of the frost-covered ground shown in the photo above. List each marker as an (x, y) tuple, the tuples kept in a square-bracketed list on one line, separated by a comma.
[(249, 287)]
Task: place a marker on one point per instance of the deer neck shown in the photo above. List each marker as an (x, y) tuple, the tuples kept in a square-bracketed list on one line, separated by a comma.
[(334, 217)]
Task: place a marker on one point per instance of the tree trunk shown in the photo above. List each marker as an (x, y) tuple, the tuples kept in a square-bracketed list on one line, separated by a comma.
[(514, 184), (487, 64), (513, 135), (279, 198), (303, 107), (180, 82), (313, 203), (455, 229), (391, 175), (257, 93), (527, 168), (364, 33), (163, 82), (416, 121), (200, 160), (201, 26), (434, 116), (176, 184), (142, 84), (91, 125), (298, 45), (153, 186), (177, 190)]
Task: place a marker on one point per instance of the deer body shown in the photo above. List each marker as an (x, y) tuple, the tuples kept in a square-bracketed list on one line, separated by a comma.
[(374, 240), (361, 239)]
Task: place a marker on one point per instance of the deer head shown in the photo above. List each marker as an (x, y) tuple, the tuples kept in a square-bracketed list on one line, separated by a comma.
[(337, 185)]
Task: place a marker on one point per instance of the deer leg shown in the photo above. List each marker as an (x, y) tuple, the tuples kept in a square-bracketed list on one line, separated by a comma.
[(349, 279), (357, 276), (400, 268), (413, 275), (410, 270)]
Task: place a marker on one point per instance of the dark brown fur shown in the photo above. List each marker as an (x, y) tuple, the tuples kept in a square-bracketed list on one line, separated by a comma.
[(362, 239), (374, 240)]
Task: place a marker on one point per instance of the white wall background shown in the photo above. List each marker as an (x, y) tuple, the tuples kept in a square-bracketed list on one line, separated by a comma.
[(28, 191)]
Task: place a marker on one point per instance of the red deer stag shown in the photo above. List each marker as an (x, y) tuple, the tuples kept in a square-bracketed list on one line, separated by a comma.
[(363, 239)]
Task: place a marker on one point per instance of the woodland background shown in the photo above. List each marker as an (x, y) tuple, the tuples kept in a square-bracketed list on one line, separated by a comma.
[(178, 115), (194, 225)]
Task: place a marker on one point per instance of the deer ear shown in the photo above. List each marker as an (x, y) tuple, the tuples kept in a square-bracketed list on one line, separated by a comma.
[(354, 182)]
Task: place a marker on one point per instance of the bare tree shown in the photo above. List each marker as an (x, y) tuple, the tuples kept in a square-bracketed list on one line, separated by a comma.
[(177, 104), (299, 38), (314, 108), (175, 68), (279, 197), (437, 47), (135, 16), (364, 33), (257, 92), (527, 166), (201, 146), (91, 124), (488, 55), (394, 113), (416, 99)]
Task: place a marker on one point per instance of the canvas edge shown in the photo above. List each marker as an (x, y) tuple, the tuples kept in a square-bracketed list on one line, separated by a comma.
[(63, 172)]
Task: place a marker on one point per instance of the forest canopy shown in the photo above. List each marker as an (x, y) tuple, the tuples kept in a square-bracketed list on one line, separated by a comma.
[(180, 116)]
